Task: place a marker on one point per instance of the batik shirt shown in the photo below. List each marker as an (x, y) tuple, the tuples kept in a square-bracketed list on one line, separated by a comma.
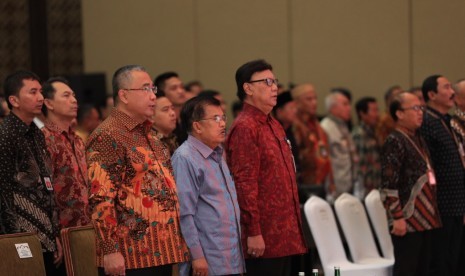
[(135, 208), (67, 152), (260, 159), (312, 144), (405, 188), (369, 166), (26, 204)]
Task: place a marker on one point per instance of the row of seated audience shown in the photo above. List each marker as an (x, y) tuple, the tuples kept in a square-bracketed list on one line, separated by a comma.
[(163, 181)]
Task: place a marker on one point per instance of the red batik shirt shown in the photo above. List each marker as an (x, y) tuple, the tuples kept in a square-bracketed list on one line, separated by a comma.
[(69, 178), (133, 197), (260, 159)]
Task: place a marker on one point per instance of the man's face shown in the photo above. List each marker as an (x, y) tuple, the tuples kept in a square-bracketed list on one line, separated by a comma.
[(220, 98), (164, 118), (140, 103), (174, 91), (29, 100), (411, 116), (64, 103), (260, 94), (371, 117), (308, 102), (210, 132), (341, 109), (445, 95), (287, 114)]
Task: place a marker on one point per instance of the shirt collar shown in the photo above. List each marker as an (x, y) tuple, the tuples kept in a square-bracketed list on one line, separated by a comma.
[(205, 150), (129, 122), (55, 128), (19, 124), (339, 121), (256, 113), (436, 114)]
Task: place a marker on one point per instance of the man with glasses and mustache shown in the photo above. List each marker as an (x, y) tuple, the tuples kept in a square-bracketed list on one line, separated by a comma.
[(133, 192), (207, 196), (260, 158), (408, 188), (447, 155)]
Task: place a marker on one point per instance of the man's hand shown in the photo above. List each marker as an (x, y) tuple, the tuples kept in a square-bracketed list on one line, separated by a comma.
[(200, 267), (399, 227), (255, 246), (113, 264), (58, 254)]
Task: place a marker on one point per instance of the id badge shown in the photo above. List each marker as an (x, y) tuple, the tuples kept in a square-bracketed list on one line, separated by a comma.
[(431, 177), (48, 183)]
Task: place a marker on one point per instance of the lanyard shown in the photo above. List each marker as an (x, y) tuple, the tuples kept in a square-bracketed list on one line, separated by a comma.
[(420, 151), (457, 143)]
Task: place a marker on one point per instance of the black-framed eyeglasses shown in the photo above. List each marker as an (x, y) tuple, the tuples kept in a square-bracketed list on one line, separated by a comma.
[(268, 81), (415, 108), (216, 118), (146, 89)]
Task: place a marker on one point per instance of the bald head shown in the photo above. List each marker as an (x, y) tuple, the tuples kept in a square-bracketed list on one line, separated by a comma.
[(459, 98)]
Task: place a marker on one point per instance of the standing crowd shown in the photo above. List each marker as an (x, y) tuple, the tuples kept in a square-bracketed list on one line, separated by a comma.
[(164, 182)]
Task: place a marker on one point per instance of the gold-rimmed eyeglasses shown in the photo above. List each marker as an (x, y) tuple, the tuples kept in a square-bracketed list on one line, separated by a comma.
[(216, 118), (146, 89), (415, 108)]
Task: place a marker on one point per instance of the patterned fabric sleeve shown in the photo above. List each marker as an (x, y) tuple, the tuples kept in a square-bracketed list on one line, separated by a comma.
[(391, 162), (104, 171), (244, 161)]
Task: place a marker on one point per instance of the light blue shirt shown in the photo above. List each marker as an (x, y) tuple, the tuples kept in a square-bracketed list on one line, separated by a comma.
[(208, 206)]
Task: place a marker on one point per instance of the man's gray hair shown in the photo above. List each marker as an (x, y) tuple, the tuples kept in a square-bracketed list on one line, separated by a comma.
[(331, 100), (458, 85), (122, 78)]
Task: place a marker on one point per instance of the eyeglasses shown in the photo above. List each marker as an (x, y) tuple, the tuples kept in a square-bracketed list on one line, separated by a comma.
[(216, 118), (415, 108), (268, 81), (146, 89)]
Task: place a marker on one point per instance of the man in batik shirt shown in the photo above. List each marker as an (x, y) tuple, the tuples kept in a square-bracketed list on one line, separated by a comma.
[(67, 152), (26, 198), (369, 167), (133, 193), (312, 142)]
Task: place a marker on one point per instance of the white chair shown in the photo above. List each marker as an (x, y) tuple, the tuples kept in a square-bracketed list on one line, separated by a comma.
[(356, 228), (379, 220), (328, 241)]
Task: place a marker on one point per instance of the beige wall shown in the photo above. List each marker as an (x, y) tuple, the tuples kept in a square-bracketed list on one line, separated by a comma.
[(364, 45)]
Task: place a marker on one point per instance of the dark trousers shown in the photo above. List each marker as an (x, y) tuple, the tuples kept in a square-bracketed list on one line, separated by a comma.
[(446, 242), (412, 253), (50, 268), (268, 266), (461, 264), (163, 270)]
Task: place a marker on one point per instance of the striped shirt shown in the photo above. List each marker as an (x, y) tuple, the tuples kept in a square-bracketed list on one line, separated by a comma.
[(209, 209), (405, 188)]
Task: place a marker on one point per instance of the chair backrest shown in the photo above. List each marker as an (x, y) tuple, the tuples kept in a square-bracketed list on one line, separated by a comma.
[(379, 220), (324, 230), (12, 264), (79, 250), (356, 227)]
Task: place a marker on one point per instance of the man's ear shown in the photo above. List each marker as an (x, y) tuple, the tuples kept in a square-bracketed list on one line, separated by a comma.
[(248, 89), (122, 96), (431, 95), (48, 104), (196, 127), (14, 101)]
